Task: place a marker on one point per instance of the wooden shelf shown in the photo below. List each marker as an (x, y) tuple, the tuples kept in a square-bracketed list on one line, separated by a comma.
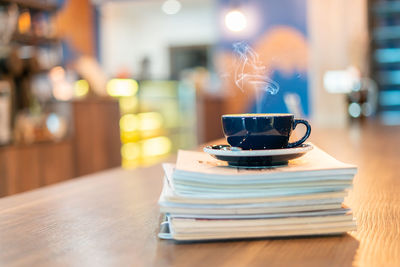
[(33, 4), (31, 39)]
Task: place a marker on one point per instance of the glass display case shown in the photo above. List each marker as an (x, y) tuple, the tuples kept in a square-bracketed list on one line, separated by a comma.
[(157, 120)]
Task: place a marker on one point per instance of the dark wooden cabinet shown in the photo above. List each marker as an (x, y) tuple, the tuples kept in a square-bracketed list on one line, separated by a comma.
[(96, 135), (31, 166)]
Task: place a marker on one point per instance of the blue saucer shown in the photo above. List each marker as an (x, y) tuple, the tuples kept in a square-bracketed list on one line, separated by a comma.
[(256, 158)]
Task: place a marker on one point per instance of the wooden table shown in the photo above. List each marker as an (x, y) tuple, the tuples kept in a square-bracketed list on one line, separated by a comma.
[(111, 218)]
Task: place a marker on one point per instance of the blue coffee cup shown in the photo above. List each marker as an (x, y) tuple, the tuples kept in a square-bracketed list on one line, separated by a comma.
[(262, 131)]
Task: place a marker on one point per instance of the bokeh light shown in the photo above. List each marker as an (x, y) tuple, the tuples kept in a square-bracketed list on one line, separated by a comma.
[(171, 7), (354, 110), (24, 22), (53, 123), (367, 109), (63, 91), (156, 146), (127, 137), (81, 88), (130, 151), (129, 123), (57, 74), (56, 125), (235, 21), (150, 121), (128, 104), (122, 87)]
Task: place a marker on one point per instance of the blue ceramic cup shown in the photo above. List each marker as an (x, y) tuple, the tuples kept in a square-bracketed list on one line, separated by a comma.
[(262, 131)]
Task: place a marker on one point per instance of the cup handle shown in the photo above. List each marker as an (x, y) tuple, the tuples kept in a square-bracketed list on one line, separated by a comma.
[(306, 135)]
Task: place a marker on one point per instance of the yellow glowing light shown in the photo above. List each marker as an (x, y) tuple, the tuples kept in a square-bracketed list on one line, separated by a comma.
[(81, 88), (156, 146), (150, 121), (128, 104), (24, 22), (235, 21), (122, 87), (130, 164), (130, 151), (128, 137), (129, 123)]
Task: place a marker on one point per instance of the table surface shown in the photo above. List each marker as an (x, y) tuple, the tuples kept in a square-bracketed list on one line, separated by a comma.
[(112, 218)]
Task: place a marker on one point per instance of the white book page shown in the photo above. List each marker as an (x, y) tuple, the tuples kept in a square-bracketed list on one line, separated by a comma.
[(315, 162), (169, 194)]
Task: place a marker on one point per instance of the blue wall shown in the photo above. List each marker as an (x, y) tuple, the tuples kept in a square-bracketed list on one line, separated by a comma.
[(290, 15)]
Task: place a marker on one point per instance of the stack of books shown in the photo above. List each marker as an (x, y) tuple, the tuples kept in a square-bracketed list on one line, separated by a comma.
[(204, 199)]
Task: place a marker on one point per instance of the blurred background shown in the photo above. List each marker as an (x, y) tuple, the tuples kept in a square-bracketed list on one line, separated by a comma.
[(87, 85)]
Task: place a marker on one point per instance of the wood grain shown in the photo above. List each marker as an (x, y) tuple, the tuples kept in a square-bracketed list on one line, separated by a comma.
[(111, 218), (375, 198)]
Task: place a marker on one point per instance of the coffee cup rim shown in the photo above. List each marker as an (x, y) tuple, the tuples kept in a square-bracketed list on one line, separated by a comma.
[(249, 115)]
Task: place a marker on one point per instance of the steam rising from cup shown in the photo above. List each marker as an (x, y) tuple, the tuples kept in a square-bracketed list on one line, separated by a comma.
[(255, 76)]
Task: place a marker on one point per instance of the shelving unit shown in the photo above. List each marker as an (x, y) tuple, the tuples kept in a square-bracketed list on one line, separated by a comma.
[(30, 51), (92, 141), (30, 39), (384, 24)]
